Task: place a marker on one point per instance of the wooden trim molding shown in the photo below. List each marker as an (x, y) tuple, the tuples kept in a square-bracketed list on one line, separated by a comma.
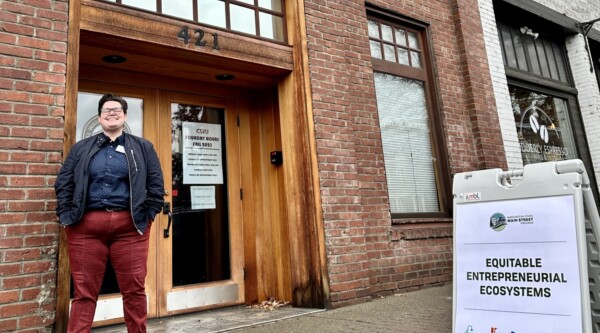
[(64, 270), (307, 239)]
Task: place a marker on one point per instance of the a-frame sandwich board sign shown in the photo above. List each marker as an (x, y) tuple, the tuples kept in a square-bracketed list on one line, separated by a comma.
[(520, 261)]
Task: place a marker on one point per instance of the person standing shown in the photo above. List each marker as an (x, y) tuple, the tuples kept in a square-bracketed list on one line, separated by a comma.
[(109, 189)]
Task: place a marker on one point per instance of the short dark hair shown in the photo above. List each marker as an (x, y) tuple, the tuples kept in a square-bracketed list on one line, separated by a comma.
[(110, 97)]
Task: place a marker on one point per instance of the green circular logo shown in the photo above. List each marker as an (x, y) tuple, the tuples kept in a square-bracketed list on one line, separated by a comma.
[(498, 222)]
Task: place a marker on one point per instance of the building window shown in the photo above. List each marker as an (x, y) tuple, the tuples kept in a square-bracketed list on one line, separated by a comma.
[(395, 43), (547, 118), (527, 50), (410, 133), (262, 18), (543, 126)]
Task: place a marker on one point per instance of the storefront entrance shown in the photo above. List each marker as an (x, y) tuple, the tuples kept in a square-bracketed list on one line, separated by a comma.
[(243, 228), (196, 252)]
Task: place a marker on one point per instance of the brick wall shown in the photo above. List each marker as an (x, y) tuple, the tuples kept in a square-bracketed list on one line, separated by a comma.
[(366, 255), (33, 36), (588, 96), (581, 10), (501, 94)]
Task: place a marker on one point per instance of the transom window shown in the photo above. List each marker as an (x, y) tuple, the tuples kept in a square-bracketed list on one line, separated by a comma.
[(262, 18), (394, 43), (525, 49), (410, 130)]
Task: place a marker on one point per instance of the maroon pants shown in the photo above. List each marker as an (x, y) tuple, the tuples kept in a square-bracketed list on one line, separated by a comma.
[(100, 236)]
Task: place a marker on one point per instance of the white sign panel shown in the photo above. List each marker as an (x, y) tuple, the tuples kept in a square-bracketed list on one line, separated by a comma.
[(203, 197), (202, 153), (516, 266)]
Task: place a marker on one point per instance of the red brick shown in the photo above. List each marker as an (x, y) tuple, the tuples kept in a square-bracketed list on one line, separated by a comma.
[(36, 22), (9, 296), (27, 181), (12, 119), (12, 168), (6, 218), (42, 240), (60, 16), (15, 73), (11, 194), (42, 145), (36, 321), (18, 206), (31, 109), (43, 169), (29, 132), (22, 255), (9, 270), (47, 4), (35, 43), (17, 29), (60, 36), (19, 309), (37, 267), (17, 8), (8, 325), (48, 216)]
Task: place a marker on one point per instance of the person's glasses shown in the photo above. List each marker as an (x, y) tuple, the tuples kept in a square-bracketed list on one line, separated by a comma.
[(115, 110)]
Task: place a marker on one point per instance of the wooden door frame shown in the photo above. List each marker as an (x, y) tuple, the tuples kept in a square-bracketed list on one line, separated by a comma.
[(301, 176), (234, 203)]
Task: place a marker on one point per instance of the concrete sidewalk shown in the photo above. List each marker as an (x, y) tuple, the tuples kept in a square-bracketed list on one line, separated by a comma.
[(428, 310)]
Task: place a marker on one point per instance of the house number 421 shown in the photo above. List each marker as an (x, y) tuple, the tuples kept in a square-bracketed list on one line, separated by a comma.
[(184, 33)]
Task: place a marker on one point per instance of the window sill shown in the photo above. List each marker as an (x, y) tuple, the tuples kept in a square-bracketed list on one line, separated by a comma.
[(421, 229)]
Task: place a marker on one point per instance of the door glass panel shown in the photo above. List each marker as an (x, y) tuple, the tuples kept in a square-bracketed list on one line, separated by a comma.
[(88, 125), (200, 233)]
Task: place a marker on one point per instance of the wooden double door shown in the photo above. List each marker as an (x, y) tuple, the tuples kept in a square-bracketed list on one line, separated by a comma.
[(196, 246)]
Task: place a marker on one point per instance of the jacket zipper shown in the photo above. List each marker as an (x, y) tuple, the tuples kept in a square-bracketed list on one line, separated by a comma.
[(133, 158), (131, 191)]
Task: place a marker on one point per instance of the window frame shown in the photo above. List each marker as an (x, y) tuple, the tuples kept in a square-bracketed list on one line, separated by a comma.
[(432, 98)]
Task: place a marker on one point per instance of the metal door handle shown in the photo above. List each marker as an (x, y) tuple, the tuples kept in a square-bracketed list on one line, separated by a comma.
[(166, 233), (167, 210)]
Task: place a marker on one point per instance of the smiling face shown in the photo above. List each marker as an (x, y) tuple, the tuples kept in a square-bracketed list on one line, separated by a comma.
[(112, 122)]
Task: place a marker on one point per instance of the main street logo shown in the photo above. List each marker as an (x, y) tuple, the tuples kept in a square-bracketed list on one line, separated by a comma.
[(498, 222)]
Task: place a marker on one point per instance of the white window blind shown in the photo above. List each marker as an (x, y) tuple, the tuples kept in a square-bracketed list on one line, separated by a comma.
[(406, 142)]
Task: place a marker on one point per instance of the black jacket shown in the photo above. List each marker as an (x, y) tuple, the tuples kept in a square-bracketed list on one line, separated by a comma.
[(145, 180)]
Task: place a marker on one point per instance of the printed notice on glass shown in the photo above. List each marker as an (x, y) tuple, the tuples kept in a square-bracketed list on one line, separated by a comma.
[(517, 266), (202, 153), (203, 197)]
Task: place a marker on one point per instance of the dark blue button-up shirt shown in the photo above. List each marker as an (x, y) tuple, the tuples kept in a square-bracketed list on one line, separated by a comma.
[(109, 177)]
